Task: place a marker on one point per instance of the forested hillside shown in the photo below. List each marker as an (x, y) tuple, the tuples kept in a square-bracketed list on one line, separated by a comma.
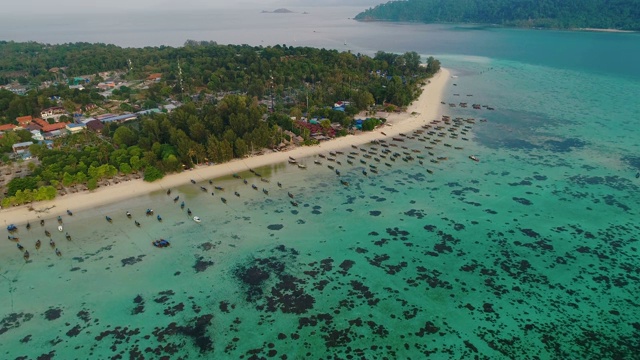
[(560, 14)]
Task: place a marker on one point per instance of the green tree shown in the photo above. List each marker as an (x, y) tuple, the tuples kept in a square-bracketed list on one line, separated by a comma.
[(125, 136), (125, 168), (151, 174)]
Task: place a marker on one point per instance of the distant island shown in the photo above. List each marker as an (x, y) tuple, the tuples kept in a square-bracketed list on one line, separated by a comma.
[(278, 11), (552, 14)]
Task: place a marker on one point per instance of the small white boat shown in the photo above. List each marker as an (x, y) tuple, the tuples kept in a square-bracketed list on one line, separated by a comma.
[(60, 228), (197, 219)]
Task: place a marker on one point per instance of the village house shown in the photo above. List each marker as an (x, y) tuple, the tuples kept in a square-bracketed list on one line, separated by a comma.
[(95, 125), (107, 85), (75, 128), (16, 88), (52, 112), (37, 135), (154, 77), (6, 127), (24, 121), (20, 148), (54, 127)]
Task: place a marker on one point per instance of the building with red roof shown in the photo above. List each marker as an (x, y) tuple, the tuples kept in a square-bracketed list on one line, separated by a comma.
[(54, 126), (39, 123), (7, 127), (24, 120)]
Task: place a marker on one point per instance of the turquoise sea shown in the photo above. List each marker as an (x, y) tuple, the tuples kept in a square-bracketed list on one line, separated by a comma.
[(530, 253)]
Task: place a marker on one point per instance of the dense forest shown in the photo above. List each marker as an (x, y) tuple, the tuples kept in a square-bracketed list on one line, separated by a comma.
[(236, 101), (558, 14)]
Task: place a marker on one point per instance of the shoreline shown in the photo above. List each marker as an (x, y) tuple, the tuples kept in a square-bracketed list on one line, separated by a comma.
[(426, 108), (605, 30)]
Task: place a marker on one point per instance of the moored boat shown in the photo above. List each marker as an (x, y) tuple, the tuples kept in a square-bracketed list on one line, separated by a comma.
[(161, 243), (59, 227), (197, 219), (108, 219), (474, 158)]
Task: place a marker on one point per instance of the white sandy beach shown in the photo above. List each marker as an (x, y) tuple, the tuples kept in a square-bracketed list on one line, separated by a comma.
[(422, 111)]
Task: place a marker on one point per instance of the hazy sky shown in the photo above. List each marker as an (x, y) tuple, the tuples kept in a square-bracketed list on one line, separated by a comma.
[(19, 8)]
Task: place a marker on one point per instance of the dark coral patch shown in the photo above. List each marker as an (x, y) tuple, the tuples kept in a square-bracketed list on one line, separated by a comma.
[(530, 233), (522, 201), (428, 329), (418, 214), (375, 213), (202, 265), (52, 314), (132, 260), (565, 145)]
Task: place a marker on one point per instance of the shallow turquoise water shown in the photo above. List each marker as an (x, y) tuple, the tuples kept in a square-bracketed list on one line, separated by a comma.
[(529, 253)]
